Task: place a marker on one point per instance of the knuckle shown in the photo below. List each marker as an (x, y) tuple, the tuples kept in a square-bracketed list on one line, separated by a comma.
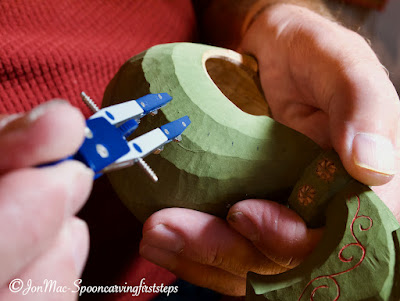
[(358, 51)]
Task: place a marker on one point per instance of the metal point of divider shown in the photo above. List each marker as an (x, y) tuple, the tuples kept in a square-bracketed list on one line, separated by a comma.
[(147, 169), (89, 102)]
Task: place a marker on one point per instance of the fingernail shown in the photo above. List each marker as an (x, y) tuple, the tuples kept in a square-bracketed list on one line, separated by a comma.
[(242, 224), (8, 119), (375, 153), (21, 121), (40, 110), (159, 256), (163, 237), (80, 243)]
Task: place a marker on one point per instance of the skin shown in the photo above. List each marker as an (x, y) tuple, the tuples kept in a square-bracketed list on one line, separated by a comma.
[(343, 91), (324, 81), (39, 236)]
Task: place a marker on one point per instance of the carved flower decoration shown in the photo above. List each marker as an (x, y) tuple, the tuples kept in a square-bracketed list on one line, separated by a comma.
[(306, 195), (326, 170)]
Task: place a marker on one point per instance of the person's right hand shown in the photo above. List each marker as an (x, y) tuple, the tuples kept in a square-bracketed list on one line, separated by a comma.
[(39, 236)]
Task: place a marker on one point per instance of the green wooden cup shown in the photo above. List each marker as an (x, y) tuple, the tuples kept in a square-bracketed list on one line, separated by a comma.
[(234, 150)]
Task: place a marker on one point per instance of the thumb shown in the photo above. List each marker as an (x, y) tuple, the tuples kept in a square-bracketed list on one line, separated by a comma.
[(365, 124), (277, 231)]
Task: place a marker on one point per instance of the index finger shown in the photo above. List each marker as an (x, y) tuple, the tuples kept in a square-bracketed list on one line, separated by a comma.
[(51, 131)]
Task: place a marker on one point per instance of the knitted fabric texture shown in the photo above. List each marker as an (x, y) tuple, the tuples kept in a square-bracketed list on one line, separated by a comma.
[(56, 49)]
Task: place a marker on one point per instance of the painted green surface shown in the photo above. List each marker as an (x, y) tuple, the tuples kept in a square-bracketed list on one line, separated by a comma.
[(358, 257), (225, 156)]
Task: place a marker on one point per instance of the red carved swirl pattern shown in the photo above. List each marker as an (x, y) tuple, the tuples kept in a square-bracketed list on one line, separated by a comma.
[(342, 258)]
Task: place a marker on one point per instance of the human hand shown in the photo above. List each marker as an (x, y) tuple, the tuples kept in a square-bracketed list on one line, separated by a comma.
[(39, 236), (324, 81)]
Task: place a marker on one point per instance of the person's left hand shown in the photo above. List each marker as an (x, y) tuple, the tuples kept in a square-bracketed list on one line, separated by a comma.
[(258, 236)]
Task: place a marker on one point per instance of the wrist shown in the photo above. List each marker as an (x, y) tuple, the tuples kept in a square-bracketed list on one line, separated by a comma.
[(285, 26), (224, 22), (260, 6)]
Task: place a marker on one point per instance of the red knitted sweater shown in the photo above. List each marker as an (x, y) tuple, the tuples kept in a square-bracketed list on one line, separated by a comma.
[(56, 49)]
